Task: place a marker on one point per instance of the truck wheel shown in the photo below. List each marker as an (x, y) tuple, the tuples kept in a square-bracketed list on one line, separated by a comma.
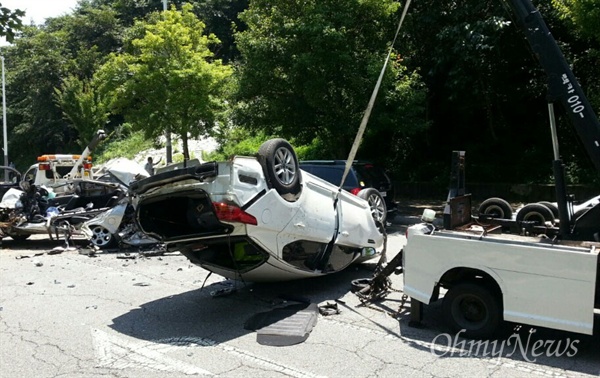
[(552, 208), (280, 165), (474, 308), (376, 204), (496, 208), (19, 237), (535, 212)]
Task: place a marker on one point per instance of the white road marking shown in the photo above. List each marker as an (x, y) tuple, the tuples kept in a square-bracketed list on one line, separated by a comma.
[(240, 353), (118, 353)]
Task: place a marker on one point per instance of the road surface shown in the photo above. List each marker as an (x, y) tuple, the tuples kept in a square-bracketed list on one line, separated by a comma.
[(71, 315)]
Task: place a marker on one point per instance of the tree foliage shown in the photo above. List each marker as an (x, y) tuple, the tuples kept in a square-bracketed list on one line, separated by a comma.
[(10, 22), (584, 15), (462, 77), (309, 67), (168, 78)]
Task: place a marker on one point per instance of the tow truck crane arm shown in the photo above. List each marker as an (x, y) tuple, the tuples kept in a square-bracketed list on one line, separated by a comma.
[(562, 84), (75, 172), (563, 87)]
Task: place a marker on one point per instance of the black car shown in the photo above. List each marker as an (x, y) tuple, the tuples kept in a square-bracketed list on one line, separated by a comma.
[(362, 175)]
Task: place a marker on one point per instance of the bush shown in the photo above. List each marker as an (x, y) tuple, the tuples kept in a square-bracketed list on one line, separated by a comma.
[(126, 146)]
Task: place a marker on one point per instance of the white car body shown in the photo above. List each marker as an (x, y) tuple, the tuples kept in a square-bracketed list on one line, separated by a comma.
[(288, 237)]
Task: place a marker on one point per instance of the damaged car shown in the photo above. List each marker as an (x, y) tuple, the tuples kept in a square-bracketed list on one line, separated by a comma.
[(34, 210), (116, 226), (257, 218)]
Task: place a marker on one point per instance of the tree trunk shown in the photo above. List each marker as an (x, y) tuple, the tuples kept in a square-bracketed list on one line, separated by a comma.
[(186, 151)]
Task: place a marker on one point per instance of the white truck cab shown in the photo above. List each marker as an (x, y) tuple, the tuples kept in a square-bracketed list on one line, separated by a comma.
[(55, 171)]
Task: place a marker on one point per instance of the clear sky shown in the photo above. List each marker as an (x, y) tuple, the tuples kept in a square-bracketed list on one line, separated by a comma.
[(39, 10)]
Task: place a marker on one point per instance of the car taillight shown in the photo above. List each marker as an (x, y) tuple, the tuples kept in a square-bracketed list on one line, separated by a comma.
[(231, 213), (355, 191), (44, 166)]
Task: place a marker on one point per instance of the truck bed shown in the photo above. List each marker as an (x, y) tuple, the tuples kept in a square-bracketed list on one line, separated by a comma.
[(543, 282)]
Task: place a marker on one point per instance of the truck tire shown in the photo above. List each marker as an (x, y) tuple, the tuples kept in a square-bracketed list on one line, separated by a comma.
[(19, 237), (535, 212), (552, 208), (473, 308), (496, 208), (280, 165)]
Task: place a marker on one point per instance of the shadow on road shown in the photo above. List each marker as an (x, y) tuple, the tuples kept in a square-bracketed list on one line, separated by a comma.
[(197, 314)]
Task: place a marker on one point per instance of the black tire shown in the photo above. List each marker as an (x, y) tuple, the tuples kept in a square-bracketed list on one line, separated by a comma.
[(473, 308), (552, 208), (280, 165), (496, 208), (535, 212), (360, 284), (19, 237), (101, 237), (376, 203)]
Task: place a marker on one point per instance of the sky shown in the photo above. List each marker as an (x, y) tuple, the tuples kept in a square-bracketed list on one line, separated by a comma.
[(38, 10)]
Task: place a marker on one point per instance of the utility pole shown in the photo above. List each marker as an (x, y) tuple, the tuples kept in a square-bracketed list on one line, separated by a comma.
[(6, 162), (169, 146)]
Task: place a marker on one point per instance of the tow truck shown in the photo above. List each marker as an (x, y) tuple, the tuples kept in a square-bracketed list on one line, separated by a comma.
[(52, 195), (492, 271), (55, 171)]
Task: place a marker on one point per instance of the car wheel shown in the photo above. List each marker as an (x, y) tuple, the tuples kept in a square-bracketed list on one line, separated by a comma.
[(472, 308), (552, 208), (496, 208), (101, 237), (280, 165), (19, 237), (535, 212), (376, 203)]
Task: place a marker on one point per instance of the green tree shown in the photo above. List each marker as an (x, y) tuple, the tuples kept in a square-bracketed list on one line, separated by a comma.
[(309, 67), (583, 14), (168, 79), (35, 65), (10, 22), (82, 106), (42, 59)]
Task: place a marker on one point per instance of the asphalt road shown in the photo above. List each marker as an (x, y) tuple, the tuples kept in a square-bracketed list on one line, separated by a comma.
[(71, 315)]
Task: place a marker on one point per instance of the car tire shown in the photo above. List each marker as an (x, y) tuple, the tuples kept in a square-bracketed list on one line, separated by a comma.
[(101, 237), (376, 204), (360, 284), (280, 165), (19, 238), (553, 208), (535, 212), (496, 208), (473, 308)]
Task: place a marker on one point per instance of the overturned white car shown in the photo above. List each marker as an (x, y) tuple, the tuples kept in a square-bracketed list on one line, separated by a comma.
[(257, 218)]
